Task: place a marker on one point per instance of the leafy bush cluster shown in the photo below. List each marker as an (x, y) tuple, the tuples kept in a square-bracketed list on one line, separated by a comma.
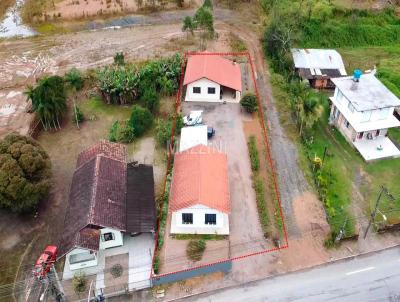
[(127, 83), (249, 102), (79, 283), (164, 130), (258, 185), (195, 249), (139, 122), (25, 171)]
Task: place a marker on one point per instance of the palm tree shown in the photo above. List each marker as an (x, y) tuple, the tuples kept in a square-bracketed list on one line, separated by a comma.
[(310, 110)]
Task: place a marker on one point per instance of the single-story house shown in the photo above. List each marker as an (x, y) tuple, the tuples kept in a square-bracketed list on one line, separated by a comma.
[(363, 111), (199, 200), (318, 66), (111, 208), (193, 136), (212, 78)]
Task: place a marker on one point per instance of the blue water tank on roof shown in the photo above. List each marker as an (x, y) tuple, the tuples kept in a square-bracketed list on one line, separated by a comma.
[(357, 75)]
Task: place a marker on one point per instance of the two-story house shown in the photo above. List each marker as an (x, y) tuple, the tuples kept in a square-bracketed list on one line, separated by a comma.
[(363, 111)]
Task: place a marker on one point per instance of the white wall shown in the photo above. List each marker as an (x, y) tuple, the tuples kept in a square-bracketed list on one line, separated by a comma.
[(118, 239), (199, 227), (203, 96), (357, 116), (81, 253)]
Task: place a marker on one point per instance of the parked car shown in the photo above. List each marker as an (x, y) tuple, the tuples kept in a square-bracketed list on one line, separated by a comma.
[(210, 132), (193, 118), (45, 261)]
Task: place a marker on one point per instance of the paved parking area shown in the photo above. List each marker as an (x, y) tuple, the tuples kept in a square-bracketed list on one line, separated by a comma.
[(245, 231)]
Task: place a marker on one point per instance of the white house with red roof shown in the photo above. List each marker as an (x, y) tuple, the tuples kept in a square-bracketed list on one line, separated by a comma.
[(212, 78), (199, 196)]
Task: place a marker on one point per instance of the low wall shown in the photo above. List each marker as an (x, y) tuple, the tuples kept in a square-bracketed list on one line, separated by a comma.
[(224, 267)]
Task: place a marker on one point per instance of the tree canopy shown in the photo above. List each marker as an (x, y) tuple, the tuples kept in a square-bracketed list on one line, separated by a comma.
[(25, 171)]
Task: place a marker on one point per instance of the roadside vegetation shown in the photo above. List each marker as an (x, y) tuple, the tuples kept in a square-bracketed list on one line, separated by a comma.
[(363, 37)]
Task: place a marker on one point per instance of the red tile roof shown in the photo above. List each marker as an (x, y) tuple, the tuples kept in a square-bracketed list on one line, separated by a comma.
[(200, 176), (215, 68)]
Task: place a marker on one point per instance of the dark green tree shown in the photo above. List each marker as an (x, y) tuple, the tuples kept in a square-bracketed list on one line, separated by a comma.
[(25, 171), (141, 120), (48, 101), (249, 102)]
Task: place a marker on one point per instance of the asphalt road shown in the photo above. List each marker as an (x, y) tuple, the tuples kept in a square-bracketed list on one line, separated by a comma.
[(368, 278)]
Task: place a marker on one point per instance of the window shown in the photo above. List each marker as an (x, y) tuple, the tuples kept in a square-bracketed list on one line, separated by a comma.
[(108, 236), (187, 218), (360, 135), (196, 89), (378, 132), (211, 90), (210, 219), (347, 124)]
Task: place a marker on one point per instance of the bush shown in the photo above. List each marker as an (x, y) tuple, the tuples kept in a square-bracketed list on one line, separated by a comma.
[(119, 58), (78, 116), (151, 100), (253, 153), (163, 132), (116, 270), (249, 103), (75, 79), (258, 185), (121, 132), (156, 264), (79, 283), (141, 120), (25, 172), (195, 249)]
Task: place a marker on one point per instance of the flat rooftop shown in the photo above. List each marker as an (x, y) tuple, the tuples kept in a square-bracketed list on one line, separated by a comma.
[(367, 94)]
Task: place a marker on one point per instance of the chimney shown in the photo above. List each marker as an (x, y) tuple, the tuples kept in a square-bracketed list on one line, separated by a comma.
[(357, 75)]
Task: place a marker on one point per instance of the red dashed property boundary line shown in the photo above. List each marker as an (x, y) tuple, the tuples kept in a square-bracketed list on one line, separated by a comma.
[(269, 158)]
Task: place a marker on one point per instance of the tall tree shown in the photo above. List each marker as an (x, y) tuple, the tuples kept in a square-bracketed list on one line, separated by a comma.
[(205, 21), (48, 101), (188, 25)]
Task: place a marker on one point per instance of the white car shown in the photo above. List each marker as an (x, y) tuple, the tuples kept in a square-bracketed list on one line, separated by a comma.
[(194, 118)]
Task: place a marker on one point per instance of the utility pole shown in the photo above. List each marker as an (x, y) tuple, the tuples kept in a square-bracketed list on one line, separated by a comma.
[(373, 214)]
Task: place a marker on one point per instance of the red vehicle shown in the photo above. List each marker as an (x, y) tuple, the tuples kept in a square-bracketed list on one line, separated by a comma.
[(45, 261)]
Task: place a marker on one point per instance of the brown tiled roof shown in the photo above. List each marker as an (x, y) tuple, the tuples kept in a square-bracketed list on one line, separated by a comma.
[(140, 202), (88, 238), (97, 197), (200, 176), (105, 148)]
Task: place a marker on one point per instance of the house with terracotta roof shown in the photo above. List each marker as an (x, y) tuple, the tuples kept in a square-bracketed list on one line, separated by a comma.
[(111, 205), (199, 199), (212, 78)]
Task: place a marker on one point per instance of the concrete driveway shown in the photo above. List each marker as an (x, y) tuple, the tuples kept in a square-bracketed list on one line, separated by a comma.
[(245, 231)]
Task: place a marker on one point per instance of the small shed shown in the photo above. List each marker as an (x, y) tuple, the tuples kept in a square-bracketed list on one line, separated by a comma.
[(193, 136), (318, 66)]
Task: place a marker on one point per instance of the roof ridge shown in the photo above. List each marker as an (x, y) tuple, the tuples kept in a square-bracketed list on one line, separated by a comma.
[(94, 188)]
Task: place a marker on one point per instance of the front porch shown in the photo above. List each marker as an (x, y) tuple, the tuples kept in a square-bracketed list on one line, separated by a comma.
[(377, 148), (135, 256)]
